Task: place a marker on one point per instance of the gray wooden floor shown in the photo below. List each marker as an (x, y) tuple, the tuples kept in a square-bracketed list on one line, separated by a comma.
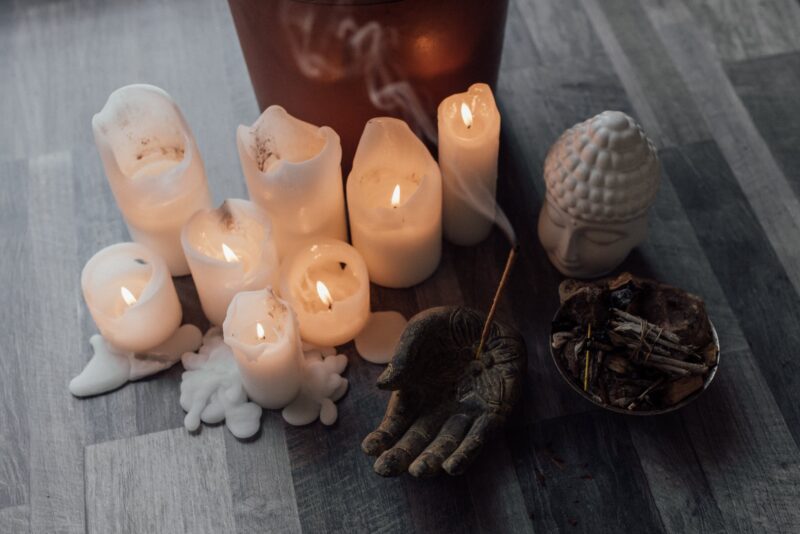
[(714, 82)]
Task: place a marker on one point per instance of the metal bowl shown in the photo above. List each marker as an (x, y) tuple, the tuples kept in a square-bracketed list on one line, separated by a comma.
[(566, 376)]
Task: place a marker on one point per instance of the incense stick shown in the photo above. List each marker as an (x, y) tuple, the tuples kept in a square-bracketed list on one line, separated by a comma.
[(512, 255)]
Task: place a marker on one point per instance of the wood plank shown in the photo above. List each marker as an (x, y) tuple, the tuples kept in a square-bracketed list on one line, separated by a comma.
[(168, 481), (56, 420), (518, 48), (15, 519), (261, 484), (766, 304), (662, 102), (14, 442), (768, 88), (580, 473), (741, 29), (755, 169)]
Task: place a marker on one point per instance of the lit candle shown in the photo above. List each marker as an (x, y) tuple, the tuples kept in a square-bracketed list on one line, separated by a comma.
[(229, 249), (131, 297), (327, 285), (293, 170), (261, 330), (469, 140), (153, 166), (394, 194)]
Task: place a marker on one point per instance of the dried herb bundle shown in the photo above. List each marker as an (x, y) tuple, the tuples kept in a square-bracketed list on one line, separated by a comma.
[(633, 344)]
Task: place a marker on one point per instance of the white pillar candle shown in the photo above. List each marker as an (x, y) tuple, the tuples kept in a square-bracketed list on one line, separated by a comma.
[(261, 331), (293, 170), (327, 285), (394, 194), (229, 249), (131, 297), (469, 141), (154, 168)]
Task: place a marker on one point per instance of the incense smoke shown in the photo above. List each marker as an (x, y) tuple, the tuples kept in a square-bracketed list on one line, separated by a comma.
[(339, 48), (332, 48)]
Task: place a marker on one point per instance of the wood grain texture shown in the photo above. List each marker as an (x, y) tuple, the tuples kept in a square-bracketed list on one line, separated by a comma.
[(741, 29), (166, 481), (713, 81), (768, 89), (747, 153)]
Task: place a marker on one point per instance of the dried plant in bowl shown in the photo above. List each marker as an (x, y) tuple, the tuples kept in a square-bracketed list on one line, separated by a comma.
[(633, 345)]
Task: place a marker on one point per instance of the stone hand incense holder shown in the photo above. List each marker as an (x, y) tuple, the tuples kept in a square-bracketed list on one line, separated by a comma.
[(445, 402), (633, 345)]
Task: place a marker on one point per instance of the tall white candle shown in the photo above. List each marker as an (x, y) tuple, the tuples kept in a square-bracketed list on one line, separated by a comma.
[(261, 330), (131, 297), (469, 141), (229, 249), (394, 194), (327, 285), (153, 166), (293, 170)]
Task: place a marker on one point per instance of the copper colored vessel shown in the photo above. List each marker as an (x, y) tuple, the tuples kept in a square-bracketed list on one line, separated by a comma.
[(340, 63)]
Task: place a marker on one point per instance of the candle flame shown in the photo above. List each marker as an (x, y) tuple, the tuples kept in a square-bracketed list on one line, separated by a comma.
[(127, 296), (230, 255), (324, 294), (466, 114), (260, 334), (396, 196)]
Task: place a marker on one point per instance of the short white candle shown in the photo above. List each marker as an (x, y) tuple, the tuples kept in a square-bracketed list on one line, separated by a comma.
[(229, 249), (394, 194), (131, 297), (327, 285), (154, 168), (469, 141), (261, 330), (293, 170)]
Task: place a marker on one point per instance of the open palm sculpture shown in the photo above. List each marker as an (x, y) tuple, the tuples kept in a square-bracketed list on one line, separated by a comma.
[(445, 402)]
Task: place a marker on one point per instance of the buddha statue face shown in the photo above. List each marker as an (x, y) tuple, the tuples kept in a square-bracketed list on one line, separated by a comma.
[(584, 249), (602, 176)]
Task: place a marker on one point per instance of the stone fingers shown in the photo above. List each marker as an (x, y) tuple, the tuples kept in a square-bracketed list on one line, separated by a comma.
[(429, 463), (396, 460), (399, 416), (470, 447)]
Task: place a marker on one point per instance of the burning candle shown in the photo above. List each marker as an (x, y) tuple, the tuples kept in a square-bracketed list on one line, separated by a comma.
[(469, 140), (327, 285), (394, 193), (229, 249), (261, 330), (153, 166), (293, 170), (131, 297)]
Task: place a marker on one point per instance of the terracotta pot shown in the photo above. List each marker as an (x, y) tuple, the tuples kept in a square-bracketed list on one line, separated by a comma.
[(340, 63)]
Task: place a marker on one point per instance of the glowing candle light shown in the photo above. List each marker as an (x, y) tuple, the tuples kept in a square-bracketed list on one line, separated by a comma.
[(230, 256), (401, 243), (469, 142), (237, 224), (147, 313), (315, 276), (260, 334), (466, 115), (127, 296), (324, 294)]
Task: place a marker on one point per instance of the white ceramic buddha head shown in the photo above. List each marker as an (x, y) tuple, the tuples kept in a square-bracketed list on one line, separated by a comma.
[(602, 175)]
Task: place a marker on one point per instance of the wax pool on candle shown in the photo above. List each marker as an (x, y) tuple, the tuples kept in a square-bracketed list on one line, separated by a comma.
[(327, 285), (261, 330), (469, 141), (153, 166), (131, 297), (394, 194), (229, 249), (293, 170)]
